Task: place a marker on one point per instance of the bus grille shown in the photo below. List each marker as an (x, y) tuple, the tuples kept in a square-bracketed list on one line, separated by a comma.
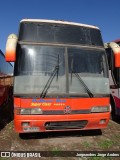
[(66, 125)]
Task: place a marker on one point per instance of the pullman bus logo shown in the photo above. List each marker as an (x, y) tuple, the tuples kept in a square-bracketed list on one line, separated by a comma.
[(67, 110)]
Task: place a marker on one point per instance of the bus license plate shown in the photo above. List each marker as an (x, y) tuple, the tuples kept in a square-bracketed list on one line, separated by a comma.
[(31, 129)]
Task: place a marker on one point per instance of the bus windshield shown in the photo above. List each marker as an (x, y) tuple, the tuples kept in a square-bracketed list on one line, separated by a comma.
[(35, 64), (59, 34)]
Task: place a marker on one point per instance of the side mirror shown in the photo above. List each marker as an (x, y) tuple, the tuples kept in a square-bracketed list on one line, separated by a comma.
[(11, 45), (116, 50)]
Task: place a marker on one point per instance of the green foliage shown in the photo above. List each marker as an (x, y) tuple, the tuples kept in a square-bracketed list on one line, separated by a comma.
[(86, 144), (100, 158), (106, 144), (56, 151), (4, 158)]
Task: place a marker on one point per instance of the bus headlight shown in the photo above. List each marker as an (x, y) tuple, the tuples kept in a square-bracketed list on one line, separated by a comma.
[(100, 109), (25, 111), (31, 111), (36, 111)]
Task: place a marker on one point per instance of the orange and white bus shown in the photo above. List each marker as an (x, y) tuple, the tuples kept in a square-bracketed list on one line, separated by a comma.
[(60, 76), (113, 50)]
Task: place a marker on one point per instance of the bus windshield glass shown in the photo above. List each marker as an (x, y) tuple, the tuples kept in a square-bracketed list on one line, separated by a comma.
[(35, 64), (59, 34)]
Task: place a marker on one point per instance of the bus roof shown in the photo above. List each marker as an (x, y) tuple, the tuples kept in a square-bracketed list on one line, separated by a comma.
[(117, 40), (58, 22)]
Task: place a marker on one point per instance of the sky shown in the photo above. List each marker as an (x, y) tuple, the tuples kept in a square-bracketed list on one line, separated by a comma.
[(102, 13)]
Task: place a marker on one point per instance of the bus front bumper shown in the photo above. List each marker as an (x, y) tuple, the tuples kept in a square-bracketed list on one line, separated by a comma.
[(47, 123)]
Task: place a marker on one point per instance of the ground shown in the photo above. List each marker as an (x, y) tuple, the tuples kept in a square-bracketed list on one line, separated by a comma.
[(93, 140)]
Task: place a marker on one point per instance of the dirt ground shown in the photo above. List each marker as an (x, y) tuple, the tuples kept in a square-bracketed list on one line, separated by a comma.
[(93, 140)]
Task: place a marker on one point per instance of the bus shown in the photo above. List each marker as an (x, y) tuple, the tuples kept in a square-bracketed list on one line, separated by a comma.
[(61, 78), (6, 80), (113, 49)]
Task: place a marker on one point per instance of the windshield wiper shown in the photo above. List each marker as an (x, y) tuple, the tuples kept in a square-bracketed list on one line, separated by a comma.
[(84, 85), (81, 81), (45, 89)]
